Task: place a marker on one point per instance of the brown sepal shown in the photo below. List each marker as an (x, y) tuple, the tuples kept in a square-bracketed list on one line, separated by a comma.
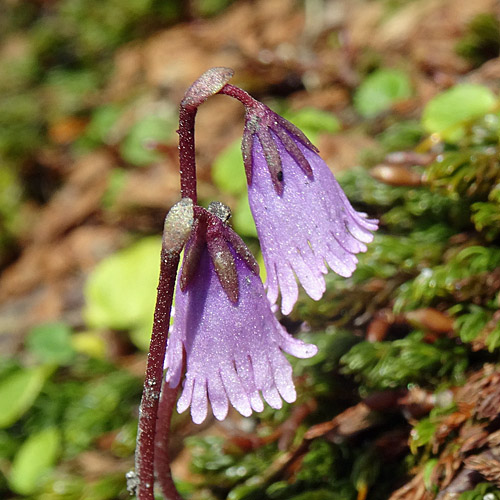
[(224, 264), (294, 151), (273, 159), (295, 131), (246, 151), (191, 256), (241, 249)]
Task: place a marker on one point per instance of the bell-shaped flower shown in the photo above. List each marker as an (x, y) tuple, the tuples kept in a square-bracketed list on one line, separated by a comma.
[(224, 331), (304, 220)]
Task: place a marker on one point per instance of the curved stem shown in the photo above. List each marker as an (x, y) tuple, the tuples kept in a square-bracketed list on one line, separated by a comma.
[(208, 84), (244, 97), (144, 457), (168, 399)]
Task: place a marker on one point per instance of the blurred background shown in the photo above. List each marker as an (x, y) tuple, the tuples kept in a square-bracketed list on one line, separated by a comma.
[(400, 96)]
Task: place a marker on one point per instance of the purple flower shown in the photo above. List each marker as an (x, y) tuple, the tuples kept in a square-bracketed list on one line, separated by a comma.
[(230, 341), (304, 220)]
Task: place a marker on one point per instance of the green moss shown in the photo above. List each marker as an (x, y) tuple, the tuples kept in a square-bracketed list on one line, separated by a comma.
[(386, 365)]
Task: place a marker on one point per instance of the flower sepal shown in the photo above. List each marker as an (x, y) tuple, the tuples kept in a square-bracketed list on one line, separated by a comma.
[(178, 226), (264, 125), (210, 228)]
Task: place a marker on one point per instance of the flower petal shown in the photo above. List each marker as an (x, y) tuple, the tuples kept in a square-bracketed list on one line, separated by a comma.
[(218, 397), (187, 394), (282, 374), (199, 402), (245, 372), (265, 381), (310, 223), (234, 389), (232, 350)]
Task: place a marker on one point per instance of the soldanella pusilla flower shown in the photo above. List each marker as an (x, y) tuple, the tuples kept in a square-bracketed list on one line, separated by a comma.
[(224, 324), (303, 218), (225, 346)]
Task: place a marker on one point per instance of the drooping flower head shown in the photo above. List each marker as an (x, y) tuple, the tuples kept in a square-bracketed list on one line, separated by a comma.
[(303, 218), (224, 330)]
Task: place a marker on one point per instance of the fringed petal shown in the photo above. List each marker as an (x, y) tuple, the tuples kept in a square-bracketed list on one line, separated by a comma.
[(311, 222), (232, 350)]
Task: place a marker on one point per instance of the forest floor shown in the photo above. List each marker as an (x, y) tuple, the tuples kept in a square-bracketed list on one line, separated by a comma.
[(82, 204)]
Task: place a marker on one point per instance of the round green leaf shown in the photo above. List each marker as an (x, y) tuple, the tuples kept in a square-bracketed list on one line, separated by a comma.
[(446, 113), (121, 291), (18, 392), (228, 172), (314, 121), (155, 128), (243, 222), (380, 90), (51, 343), (34, 460), (103, 120)]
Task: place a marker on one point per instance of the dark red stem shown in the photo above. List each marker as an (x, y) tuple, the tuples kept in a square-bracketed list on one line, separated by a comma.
[(146, 434), (187, 160), (244, 97), (168, 399)]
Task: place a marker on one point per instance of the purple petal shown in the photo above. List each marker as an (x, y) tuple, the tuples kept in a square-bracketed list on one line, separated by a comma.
[(265, 381), (218, 397), (187, 394), (234, 389), (310, 223), (199, 402), (232, 351), (282, 374), (245, 372)]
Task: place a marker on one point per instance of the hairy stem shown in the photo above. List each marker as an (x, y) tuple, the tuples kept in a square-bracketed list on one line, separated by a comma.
[(168, 399), (187, 160), (244, 97), (146, 434)]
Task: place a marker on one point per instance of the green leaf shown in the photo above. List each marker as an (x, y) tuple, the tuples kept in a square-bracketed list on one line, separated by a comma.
[(314, 121), (380, 90), (428, 471), (102, 122), (321, 494), (18, 392), (66, 92), (447, 113), (34, 460), (401, 135), (422, 433), (121, 291), (116, 182), (228, 172), (97, 407), (52, 343), (483, 491), (493, 339), (134, 149), (243, 219), (207, 8), (384, 365), (470, 325)]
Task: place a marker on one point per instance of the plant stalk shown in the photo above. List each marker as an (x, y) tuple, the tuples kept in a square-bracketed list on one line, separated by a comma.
[(187, 160), (148, 411), (168, 399), (244, 97)]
